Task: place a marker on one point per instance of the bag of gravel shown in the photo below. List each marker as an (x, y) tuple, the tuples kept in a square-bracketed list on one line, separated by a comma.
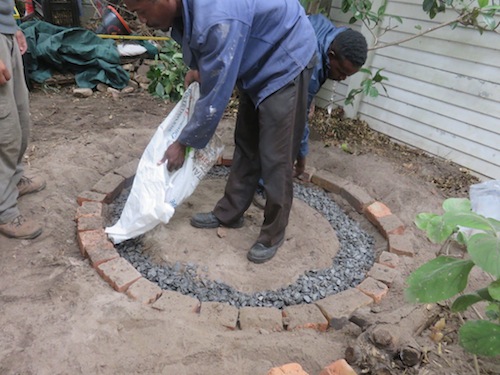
[(156, 192)]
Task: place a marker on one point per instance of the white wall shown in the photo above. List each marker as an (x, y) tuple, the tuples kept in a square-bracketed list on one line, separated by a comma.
[(443, 93)]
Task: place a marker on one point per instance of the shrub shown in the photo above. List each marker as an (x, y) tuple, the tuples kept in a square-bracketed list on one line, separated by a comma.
[(445, 277)]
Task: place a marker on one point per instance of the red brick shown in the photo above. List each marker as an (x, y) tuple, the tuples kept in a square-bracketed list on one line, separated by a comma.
[(400, 245), (89, 209), (383, 273), (388, 259), (375, 211), (339, 367), (144, 291), (93, 239), (128, 171), (171, 301), (288, 369), (268, 318), (220, 314), (119, 273), (357, 197), (373, 288), (111, 185), (328, 181), (90, 196), (339, 307), (390, 225), (99, 255), (307, 174), (89, 223), (304, 316)]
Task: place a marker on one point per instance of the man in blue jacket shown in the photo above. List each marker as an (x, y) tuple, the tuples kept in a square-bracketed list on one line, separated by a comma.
[(341, 52), (267, 49)]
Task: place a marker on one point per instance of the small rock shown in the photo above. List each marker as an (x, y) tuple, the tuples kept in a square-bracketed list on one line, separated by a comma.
[(102, 87), (221, 232), (82, 92), (128, 90)]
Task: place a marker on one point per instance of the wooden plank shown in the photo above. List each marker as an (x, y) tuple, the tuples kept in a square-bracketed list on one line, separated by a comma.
[(479, 159), (439, 47), (436, 77), (445, 63), (411, 125), (443, 117)]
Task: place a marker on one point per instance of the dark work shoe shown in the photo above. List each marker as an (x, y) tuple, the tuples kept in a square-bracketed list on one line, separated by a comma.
[(260, 253), (208, 220)]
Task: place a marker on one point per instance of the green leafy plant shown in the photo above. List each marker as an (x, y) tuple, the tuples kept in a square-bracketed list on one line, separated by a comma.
[(368, 86), (167, 74), (446, 276)]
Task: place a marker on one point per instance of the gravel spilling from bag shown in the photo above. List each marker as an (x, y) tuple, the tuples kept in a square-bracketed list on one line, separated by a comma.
[(354, 258)]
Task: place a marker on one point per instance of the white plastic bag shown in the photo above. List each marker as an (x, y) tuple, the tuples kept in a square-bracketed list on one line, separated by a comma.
[(156, 192), (485, 198)]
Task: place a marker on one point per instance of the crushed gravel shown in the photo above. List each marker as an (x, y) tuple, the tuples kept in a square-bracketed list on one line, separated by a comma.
[(349, 267)]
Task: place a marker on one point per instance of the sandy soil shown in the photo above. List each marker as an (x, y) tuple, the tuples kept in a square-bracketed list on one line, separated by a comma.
[(59, 317)]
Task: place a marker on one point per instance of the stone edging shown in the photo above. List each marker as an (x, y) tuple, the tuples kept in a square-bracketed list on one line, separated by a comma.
[(320, 315)]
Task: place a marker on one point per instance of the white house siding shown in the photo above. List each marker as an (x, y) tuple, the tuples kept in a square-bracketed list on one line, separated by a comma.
[(443, 92)]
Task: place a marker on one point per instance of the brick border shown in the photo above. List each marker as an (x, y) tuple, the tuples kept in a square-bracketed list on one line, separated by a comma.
[(331, 312)]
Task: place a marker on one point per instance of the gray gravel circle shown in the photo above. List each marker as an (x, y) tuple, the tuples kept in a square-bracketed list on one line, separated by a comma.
[(349, 267)]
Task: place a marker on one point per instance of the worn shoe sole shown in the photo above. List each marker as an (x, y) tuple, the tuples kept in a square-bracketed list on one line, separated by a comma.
[(261, 254), (29, 236), (204, 224)]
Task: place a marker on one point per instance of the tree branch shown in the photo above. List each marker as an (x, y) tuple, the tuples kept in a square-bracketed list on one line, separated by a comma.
[(458, 19)]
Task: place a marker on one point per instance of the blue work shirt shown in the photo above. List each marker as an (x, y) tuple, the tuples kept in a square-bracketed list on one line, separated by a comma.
[(257, 45)]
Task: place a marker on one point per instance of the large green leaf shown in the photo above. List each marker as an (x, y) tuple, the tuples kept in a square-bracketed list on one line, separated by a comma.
[(480, 337), (468, 220), (438, 230), (484, 249), (463, 302), (438, 279), (428, 5), (457, 205), (422, 220), (494, 289)]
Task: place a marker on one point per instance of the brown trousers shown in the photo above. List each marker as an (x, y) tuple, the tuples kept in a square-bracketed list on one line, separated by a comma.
[(267, 141)]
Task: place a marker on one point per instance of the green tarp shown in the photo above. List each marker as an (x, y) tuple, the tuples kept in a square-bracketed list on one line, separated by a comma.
[(76, 50)]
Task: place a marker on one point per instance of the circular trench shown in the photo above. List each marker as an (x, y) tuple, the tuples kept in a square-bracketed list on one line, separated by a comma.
[(302, 272)]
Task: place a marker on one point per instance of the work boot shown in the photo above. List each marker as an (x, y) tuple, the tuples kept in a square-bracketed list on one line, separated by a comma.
[(21, 228), (29, 185), (208, 220), (260, 253)]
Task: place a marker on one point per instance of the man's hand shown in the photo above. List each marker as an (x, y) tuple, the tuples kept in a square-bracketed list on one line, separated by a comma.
[(175, 155), (191, 76), (21, 41), (4, 73)]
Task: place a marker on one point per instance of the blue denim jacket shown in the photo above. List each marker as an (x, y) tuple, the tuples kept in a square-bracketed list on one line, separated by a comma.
[(257, 45)]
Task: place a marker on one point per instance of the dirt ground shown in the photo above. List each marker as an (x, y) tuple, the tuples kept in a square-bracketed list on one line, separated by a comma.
[(59, 317)]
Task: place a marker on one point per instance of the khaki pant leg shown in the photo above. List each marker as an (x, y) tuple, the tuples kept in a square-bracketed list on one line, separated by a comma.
[(14, 127)]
